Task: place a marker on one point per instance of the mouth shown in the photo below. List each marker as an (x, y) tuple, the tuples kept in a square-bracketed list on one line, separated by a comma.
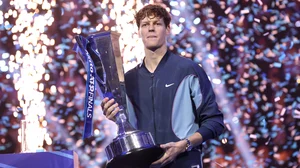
[(149, 37)]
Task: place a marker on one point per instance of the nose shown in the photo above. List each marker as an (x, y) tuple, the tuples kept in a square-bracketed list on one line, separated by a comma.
[(151, 28)]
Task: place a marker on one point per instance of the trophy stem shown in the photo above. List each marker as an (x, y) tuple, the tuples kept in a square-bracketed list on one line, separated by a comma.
[(124, 127)]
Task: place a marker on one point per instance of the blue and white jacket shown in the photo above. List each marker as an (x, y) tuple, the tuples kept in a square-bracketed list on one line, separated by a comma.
[(173, 102)]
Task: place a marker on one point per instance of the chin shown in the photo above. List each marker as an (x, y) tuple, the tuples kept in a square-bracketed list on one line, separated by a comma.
[(152, 48)]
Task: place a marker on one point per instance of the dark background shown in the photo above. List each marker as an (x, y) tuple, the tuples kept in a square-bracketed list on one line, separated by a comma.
[(250, 50)]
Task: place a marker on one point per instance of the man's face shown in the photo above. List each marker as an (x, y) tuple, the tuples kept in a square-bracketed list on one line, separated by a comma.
[(153, 32)]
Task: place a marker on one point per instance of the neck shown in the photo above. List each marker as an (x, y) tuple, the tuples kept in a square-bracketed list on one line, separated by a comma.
[(152, 58)]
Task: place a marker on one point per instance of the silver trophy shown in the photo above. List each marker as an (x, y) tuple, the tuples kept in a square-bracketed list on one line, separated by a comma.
[(131, 148)]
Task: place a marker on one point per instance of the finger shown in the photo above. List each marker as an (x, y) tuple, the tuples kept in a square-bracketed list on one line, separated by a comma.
[(113, 113), (108, 104), (111, 109), (167, 145), (164, 163), (161, 160), (169, 158), (158, 162), (104, 101)]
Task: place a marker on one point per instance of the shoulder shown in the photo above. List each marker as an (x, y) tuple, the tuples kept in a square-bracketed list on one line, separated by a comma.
[(186, 63), (132, 70), (131, 74)]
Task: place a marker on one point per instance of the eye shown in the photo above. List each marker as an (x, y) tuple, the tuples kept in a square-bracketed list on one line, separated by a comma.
[(143, 25)]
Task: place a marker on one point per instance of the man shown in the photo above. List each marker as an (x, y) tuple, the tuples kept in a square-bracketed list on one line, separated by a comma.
[(169, 96)]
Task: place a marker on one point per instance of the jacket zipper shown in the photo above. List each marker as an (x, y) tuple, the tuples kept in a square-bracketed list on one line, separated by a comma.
[(153, 108)]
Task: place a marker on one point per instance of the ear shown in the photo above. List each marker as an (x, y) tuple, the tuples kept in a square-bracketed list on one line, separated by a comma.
[(168, 30), (139, 33)]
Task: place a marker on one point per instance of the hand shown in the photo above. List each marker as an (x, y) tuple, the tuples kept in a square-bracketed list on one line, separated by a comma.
[(172, 150), (109, 108)]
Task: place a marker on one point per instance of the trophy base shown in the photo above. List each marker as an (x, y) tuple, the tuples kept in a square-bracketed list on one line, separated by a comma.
[(138, 158), (134, 149)]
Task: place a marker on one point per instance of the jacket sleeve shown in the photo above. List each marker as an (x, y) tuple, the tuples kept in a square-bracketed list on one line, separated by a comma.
[(209, 117)]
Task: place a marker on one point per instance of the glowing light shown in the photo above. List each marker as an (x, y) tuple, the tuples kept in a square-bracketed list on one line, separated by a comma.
[(176, 29), (181, 20), (182, 4), (224, 141), (211, 56), (216, 81), (96, 132), (53, 90), (29, 35), (27, 69), (15, 114), (99, 27), (5, 55), (174, 3), (175, 12), (59, 52), (197, 21), (129, 40), (3, 67), (297, 24), (7, 76), (235, 120)]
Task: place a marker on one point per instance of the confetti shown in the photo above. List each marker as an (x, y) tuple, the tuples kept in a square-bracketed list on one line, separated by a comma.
[(251, 51)]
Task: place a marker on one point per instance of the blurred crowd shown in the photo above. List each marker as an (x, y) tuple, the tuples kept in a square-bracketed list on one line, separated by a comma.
[(253, 47)]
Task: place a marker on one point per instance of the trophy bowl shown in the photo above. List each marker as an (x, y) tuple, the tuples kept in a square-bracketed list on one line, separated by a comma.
[(133, 150)]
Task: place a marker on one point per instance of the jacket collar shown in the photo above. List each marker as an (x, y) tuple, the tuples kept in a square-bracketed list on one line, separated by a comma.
[(160, 64)]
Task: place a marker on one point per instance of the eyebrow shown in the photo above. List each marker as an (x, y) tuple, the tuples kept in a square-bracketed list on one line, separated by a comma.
[(152, 20)]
